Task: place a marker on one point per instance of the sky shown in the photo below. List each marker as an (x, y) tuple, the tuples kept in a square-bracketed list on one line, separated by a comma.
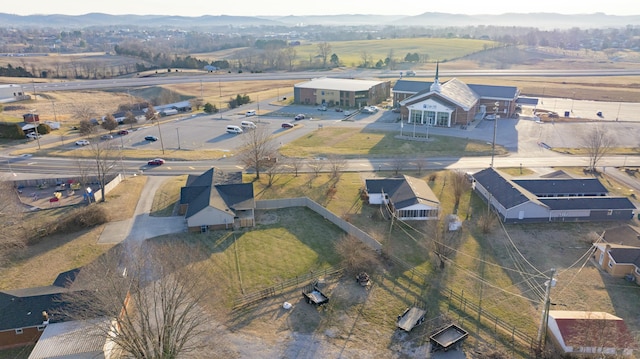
[(324, 7)]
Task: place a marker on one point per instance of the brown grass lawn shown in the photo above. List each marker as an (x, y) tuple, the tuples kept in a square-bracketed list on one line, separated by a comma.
[(357, 142), (39, 264), (167, 196)]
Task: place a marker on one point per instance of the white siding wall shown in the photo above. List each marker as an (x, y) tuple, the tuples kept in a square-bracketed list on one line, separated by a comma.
[(208, 217), (375, 198), (531, 210), (417, 207)]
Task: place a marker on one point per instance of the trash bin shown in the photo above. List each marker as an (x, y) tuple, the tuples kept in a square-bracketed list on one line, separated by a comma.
[(566, 114)]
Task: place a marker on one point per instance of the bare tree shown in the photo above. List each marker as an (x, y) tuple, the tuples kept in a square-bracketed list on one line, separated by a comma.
[(150, 114), (460, 185), (152, 296), (274, 171), (421, 164), (197, 103), (398, 164), (444, 241), (86, 127), (295, 163), (290, 54), (258, 149), (83, 112), (130, 119), (316, 165), (105, 156), (356, 256), (324, 50), (336, 165), (597, 143), (109, 123)]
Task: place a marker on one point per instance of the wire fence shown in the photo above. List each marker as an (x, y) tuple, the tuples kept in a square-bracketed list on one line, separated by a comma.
[(467, 308), (272, 291)]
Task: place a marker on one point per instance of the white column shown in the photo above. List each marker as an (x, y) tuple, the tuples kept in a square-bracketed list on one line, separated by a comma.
[(422, 117)]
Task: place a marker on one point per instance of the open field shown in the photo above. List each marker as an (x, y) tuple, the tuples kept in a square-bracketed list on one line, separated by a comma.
[(357, 142), (167, 196)]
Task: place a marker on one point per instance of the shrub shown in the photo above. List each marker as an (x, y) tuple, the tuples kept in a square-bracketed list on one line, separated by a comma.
[(356, 256), (81, 218)]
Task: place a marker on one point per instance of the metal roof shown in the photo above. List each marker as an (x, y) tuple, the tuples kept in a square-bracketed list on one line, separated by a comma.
[(336, 84), (73, 339)]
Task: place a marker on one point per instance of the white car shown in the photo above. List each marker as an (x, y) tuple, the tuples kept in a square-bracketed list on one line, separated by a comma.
[(82, 143), (33, 135)]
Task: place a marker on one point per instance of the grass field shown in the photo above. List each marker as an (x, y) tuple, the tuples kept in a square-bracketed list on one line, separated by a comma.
[(357, 142), (167, 196)]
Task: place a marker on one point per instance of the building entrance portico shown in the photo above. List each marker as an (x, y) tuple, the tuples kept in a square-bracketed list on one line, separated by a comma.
[(430, 112)]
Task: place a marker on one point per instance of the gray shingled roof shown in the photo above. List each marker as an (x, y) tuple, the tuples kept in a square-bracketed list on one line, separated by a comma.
[(458, 92), (503, 190), (557, 186), (572, 203), (23, 308), (202, 191), (626, 255), (411, 86), (404, 191), (495, 92)]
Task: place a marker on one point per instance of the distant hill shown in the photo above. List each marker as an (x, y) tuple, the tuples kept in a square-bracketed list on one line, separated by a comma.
[(429, 19)]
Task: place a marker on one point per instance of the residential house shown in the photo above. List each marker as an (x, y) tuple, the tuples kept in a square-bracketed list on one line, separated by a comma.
[(549, 200), (216, 200), (590, 334), (619, 252), (408, 198), (25, 313), (451, 103)]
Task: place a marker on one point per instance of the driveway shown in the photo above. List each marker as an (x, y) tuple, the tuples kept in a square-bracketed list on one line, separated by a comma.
[(142, 226)]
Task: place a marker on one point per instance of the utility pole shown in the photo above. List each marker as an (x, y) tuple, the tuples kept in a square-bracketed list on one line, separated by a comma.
[(37, 123), (160, 133), (495, 129), (545, 311)]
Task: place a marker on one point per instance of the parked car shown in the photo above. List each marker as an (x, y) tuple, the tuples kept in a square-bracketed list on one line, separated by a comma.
[(33, 135), (411, 73), (299, 117), (156, 162), (322, 108), (490, 117), (82, 143), (106, 137), (338, 109), (151, 138), (123, 132), (287, 125)]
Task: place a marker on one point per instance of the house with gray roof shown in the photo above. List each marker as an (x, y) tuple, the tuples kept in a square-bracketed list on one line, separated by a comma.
[(80, 339), (408, 198), (549, 200), (217, 200), (26, 312), (452, 102)]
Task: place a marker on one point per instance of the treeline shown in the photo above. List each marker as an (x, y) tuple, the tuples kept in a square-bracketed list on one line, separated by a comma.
[(162, 60), (11, 71)]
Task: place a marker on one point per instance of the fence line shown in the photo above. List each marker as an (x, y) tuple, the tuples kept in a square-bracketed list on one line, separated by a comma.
[(473, 310), (272, 291)]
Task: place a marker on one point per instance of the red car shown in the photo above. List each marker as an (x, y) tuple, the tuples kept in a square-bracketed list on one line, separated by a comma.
[(123, 132), (287, 125), (156, 162)]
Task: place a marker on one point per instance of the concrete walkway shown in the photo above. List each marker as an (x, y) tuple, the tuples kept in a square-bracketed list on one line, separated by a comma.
[(142, 226)]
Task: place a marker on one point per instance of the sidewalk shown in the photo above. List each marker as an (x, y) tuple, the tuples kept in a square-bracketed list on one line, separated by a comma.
[(142, 226)]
